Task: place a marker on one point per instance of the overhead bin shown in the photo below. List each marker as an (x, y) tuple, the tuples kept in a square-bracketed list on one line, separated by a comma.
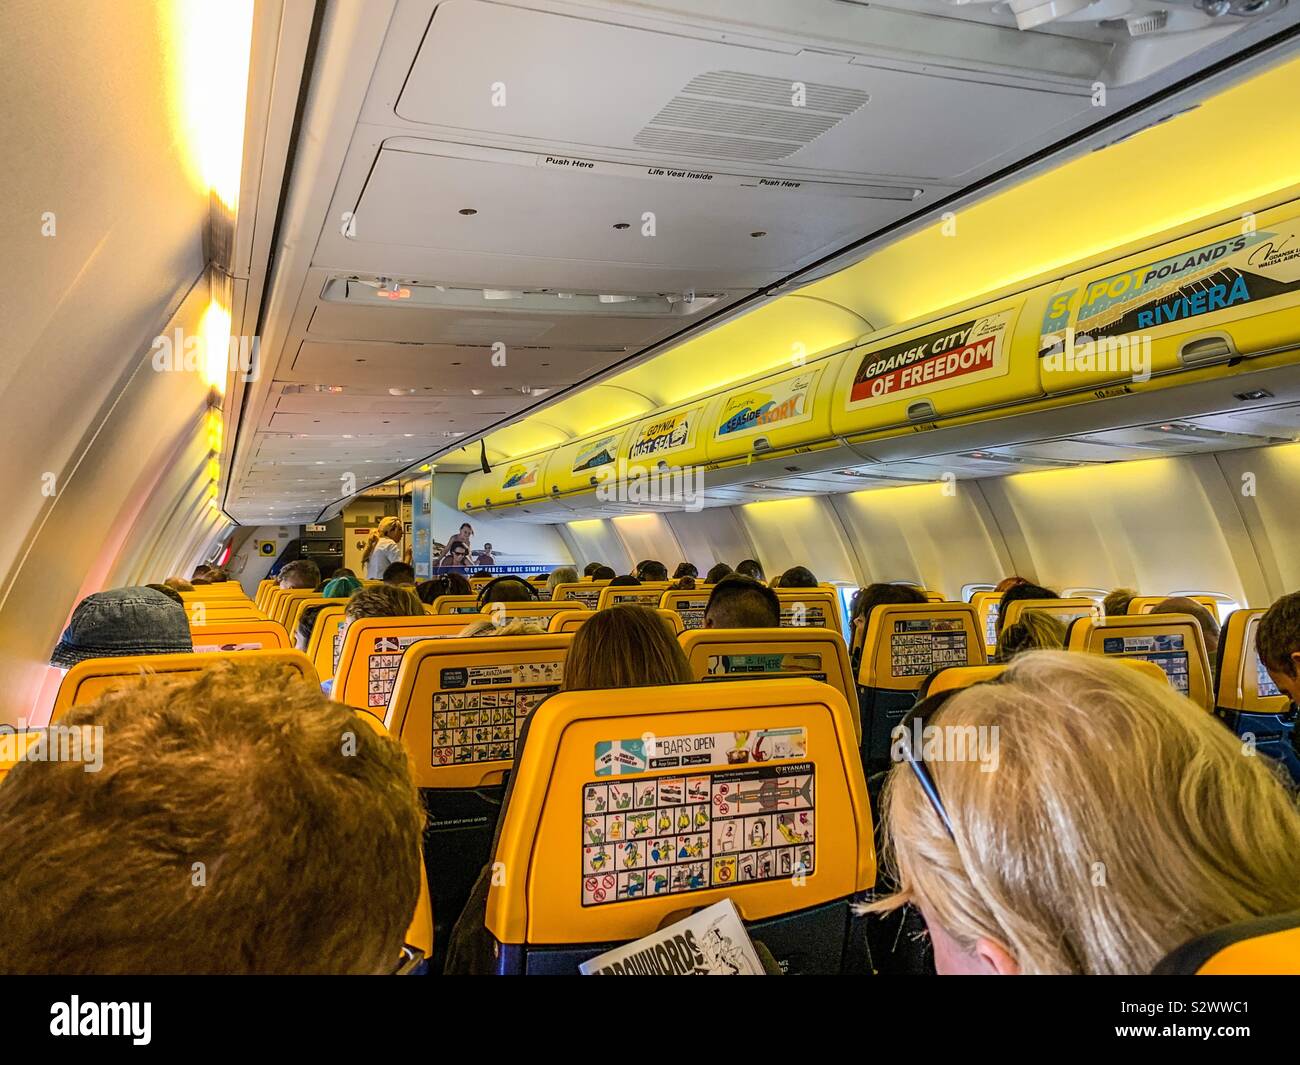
[(1220, 294), (774, 416), (977, 358), (517, 481), (584, 464)]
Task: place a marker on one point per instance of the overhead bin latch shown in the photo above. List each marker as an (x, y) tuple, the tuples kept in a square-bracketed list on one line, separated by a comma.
[(921, 411), (761, 444), (1204, 349)]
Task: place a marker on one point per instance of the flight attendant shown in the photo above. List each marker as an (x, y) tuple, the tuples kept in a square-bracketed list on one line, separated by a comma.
[(383, 549)]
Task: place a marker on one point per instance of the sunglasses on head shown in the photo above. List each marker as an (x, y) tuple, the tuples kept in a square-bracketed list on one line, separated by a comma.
[(914, 723)]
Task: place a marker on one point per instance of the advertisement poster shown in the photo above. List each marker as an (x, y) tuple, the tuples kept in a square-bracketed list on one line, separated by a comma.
[(661, 436), (597, 453), (958, 354), (1237, 270), (521, 475), (783, 403)]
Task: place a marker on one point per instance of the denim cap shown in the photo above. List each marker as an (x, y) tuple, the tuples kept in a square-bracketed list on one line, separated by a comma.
[(123, 621)]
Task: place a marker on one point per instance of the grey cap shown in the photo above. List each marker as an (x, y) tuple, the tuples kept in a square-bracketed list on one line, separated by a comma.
[(123, 621)]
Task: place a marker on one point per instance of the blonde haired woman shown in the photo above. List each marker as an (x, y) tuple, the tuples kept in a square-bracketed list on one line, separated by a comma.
[(1119, 821), (383, 548)]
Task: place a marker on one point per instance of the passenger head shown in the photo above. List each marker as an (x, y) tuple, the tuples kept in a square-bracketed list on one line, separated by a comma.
[(429, 590), (170, 592), (625, 581), (874, 595), (306, 625), (511, 627), (563, 575), (751, 569), (508, 589), (652, 570), (626, 646), (1116, 602), (590, 568), (683, 583), (382, 601), (341, 571), (123, 621), (1277, 642), (100, 871), (458, 583), (1007, 583), (218, 574), (798, 577), (1035, 631), (685, 569), (1180, 604), (1118, 822), (302, 573), (341, 587), (741, 603), (1023, 590), (717, 573), (602, 573), (399, 573), (179, 584), (202, 572)]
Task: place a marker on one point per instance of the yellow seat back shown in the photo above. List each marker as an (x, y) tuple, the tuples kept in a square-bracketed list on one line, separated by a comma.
[(1242, 681), (14, 746), (457, 704), (986, 608), (957, 677), (1145, 604), (229, 590), (647, 594), (903, 644), (371, 652), (540, 611), (240, 636), (214, 612), (87, 681), (288, 600), (324, 647), (1171, 641), (810, 607), (420, 933), (586, 592), (264, 587), (750, 791), (688, 604), (738, 654), (1064, 610), (1265, 946), (298, 606), (572, 620), (455, 604)]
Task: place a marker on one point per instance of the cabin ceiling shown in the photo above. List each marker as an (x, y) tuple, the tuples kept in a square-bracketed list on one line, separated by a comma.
[(492, 204)]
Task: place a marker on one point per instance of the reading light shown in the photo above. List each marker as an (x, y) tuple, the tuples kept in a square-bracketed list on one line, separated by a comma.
[(502, 294), (616, 299)]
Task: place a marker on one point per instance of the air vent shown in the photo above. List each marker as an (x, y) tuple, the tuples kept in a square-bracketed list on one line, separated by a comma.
[(729, 115)]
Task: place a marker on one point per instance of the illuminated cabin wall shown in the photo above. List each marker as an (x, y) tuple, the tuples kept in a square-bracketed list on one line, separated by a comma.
[(1158, 526)]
